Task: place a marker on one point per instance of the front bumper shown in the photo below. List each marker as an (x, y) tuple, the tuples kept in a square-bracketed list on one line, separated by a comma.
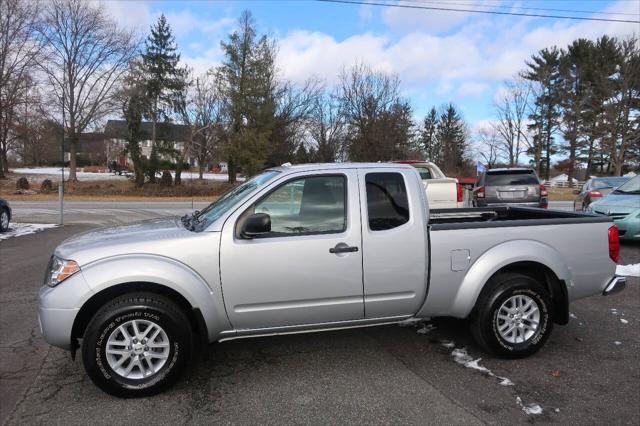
[(616, 285), (56, 326), (629, 227), (59, 307)]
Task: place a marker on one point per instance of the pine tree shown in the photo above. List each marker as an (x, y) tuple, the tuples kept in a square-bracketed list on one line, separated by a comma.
[(248, 83), (543, 69), (452, 139), (428, 140), (165, 80)]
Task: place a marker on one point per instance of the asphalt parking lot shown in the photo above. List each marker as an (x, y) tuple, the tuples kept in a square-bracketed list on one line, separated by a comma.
[(387, 374)]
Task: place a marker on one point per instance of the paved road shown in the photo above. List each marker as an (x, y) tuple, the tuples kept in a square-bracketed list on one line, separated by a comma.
[(109, 213), (374, 375)]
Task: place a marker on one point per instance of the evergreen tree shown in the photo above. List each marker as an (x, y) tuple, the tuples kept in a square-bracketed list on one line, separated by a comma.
[(543, 70), (575, 87), (428, 140), (165, 81), (247, 76), (452, 139)]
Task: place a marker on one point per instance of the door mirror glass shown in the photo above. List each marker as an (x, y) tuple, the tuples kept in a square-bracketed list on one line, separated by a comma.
[(256, 225)]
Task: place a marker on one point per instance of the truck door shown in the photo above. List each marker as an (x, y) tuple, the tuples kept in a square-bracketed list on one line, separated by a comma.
[(308, 269), (394, 240)]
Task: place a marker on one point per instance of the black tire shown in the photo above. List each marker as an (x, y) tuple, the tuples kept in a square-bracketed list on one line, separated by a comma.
[(484, 321), (4, 214), (148, 307)]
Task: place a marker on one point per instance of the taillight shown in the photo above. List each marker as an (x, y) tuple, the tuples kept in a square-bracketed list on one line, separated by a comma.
[(594, 194), (479, 193), (543, 191), (459, 188), (614, 244)]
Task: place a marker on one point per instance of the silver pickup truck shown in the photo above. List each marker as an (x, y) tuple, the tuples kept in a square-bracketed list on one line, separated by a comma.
[(316, 247)]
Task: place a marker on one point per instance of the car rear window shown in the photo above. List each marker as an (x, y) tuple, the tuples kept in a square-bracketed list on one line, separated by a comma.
[(608, 182), (425, 173), (503, 178)]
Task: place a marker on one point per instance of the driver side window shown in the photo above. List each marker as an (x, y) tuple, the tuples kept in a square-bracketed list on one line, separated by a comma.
[(310, 205)]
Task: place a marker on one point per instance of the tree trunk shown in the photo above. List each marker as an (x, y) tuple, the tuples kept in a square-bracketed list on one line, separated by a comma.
[(178, 179), (3, 164), (200, 170), (73, 144), (231, 170)]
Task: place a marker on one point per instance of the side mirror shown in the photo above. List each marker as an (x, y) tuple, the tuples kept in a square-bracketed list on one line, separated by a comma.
[(257, 224), (576, 191)]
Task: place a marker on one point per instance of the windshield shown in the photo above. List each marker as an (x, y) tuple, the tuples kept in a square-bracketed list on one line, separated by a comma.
[(200, 220), (631, 187), (611, 182)]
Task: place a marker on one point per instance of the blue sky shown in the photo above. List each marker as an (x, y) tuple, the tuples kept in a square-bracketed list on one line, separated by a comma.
[(439, 56)]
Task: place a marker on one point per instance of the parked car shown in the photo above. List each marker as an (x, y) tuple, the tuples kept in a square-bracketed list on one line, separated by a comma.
[(623, 206), (442, 192), (510, 186), (5, 215), (310, 248), (596, 188)]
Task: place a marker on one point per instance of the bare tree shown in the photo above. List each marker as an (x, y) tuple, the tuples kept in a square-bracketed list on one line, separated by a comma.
[(18, 52), (511, 111), (378, 119), (327, 129), (87, 56), (202, 110), (488, 145)]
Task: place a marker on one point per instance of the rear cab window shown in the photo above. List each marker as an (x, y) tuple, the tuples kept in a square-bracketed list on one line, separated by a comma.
[(387, 201)]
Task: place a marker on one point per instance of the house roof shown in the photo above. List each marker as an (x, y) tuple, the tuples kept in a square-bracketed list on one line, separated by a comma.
[(171, 132)]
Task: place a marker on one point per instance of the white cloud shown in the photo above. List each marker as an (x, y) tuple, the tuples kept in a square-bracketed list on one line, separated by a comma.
[(432, 21), (130, 14), (464, 63)]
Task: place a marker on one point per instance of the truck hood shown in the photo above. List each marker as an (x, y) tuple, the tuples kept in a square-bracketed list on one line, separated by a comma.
[(148, 236)]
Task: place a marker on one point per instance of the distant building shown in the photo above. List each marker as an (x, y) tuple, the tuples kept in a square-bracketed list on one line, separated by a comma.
[(91, 149), (115, 135)]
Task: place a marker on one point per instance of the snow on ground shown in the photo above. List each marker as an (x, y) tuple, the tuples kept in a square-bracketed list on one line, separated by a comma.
[(20, 229), (531, 409), (54, 172), (628, 270), (461, 356)]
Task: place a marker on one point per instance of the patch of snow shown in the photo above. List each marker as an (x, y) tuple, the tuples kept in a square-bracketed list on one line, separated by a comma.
[(461, 356), (617, 343), (448, 344), (624, 321), (572, 315), (426, 328), (614, 311), (529, 409), (411, 322), (505, 382), (557, 410), (20, 229), (632, 270)]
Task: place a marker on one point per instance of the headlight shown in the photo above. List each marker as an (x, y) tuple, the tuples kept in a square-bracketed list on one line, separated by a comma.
[(59, 270)]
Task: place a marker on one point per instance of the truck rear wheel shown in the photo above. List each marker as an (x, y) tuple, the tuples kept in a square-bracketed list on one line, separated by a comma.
[(513, 317), (137, 345)]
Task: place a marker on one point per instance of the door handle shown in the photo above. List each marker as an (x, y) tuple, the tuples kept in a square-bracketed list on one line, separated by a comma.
[(343, 249)]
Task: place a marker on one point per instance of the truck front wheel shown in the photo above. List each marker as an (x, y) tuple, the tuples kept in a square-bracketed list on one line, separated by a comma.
[(137, 345), (512, 318)]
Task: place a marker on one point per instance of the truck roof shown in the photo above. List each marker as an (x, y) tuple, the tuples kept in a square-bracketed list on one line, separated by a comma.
[(338, 166), (511, 169)]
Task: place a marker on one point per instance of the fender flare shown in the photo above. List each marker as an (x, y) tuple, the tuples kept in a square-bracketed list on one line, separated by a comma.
[(497, 258), (160, 270)]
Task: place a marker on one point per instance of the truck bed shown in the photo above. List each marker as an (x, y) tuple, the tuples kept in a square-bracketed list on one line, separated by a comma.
[(495, 217)]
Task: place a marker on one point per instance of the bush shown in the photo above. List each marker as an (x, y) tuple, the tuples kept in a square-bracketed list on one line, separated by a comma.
[(166, 179), (22, 183), (46, 186)]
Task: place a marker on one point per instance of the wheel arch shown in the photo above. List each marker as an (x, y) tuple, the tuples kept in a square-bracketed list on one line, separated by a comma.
[(532, 258), (97, 300)]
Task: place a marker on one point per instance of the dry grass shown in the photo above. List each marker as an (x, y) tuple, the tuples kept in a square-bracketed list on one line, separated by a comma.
[(105, 190), (561, 194)]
